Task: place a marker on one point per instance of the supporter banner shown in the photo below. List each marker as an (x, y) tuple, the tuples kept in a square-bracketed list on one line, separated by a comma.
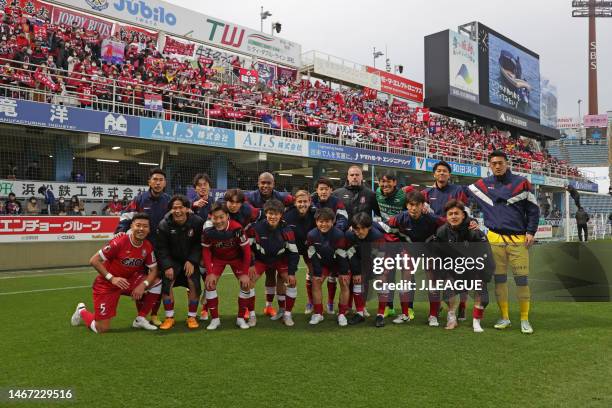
[(398, 86), (65, 16), (36, 9), (28, 113), (219, 59), (286, 75), (160, 15), (422, 114), (259, 142), (461, 169), (463, 67), (25, 189), (174, 46), (131, 34), (584, 185), (568, 122), (248, 76), (171, 131), (596, 121), (266, 73), (113, 51), (355, 155), (347, 74), (45, 229), (370, 94), (153, 102)]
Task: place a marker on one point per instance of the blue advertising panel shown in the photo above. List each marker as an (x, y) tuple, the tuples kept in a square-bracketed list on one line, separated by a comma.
[(585, 185), (46, 115), (170, 131), (423, 164), (351, 154)]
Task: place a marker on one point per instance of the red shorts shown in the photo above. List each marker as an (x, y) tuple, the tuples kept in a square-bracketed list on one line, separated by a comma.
[(282, 267), (218, 266), (106, 296)]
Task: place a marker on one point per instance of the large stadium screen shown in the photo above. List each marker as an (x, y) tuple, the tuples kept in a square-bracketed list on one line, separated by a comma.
[(513, 76)]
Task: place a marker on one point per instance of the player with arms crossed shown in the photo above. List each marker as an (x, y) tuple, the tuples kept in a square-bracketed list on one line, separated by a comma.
[(122, 270), (273, 247), (224, 243)]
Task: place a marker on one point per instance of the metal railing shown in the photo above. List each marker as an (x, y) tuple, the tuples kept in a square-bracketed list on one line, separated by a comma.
[(212, 109)]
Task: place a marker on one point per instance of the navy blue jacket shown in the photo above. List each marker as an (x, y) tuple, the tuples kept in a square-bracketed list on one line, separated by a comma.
[(508, 204), (256, 200), (327, 250), (246, 214), (155, 207), (337, 206), (269, 245), (411, 230), (301, 225), (438, 197)]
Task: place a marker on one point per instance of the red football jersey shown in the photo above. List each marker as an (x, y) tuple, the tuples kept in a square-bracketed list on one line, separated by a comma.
[(226, 244), (123, 259)]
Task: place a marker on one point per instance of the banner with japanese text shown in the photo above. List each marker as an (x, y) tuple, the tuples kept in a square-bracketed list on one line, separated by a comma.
[(25, 189), (45, 229)]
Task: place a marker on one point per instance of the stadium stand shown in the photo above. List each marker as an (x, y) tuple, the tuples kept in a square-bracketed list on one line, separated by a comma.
[(63, 64), (581, 153)]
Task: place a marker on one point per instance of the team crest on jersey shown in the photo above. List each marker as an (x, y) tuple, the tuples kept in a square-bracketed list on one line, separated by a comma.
[(190, 233), (97, 5), (362, 200), (144, 253)]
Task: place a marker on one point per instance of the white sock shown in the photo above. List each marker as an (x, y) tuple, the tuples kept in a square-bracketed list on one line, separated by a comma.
[(170, 313), (92, 326)]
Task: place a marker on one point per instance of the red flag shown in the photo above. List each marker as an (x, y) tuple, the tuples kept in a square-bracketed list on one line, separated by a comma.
[(370, 94)]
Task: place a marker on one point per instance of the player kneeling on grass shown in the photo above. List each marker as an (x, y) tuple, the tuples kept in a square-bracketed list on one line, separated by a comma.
[(273, 247), (224, 243), (179, 252), (122, 270), (327, 251), (457, 229), (363, 233)]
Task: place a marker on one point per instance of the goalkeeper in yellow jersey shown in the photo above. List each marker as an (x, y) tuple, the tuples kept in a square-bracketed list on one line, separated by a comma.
[(511, 214)]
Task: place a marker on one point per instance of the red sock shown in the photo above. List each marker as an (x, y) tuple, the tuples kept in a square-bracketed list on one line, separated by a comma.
[(87, 317), (331, 292), (462, 305), (477, 313), (342, 309), (204, 307), (289, 303), (270, 292), (168, 304), (359, 302), (243, 304), (318, 308), (382, 303), (434, 308), (148, 301), (193, 307), (212, 307), (404, 307), (155, 307), (309, 290), (281, 301)]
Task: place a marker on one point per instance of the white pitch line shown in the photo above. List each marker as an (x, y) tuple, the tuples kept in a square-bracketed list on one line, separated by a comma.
[(43, 290), (34, 275)]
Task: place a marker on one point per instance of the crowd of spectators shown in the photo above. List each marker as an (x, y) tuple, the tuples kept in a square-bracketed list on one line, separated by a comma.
[(66, 62)]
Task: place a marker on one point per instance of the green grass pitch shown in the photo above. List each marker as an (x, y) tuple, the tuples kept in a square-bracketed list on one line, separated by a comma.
[(566, 362)]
